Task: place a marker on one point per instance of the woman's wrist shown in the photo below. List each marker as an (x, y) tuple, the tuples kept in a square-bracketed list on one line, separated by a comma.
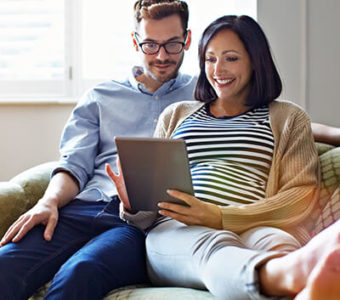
[(216, 221)]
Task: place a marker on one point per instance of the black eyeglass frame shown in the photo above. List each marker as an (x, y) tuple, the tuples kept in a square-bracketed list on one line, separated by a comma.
[(162, 45)]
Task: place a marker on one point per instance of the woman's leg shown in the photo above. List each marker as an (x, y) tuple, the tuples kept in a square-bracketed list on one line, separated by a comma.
[(268, 239), (200, 257)]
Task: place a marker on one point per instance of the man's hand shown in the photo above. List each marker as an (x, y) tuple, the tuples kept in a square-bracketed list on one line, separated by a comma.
[(60, 191), (44, 212), (197, 213), (119, 182)]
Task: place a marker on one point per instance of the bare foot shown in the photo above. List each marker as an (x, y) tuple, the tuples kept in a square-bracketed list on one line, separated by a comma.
[(290, 274), (323, 282)]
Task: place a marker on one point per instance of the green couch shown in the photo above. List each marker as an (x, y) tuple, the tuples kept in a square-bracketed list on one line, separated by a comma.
[(21, 192)]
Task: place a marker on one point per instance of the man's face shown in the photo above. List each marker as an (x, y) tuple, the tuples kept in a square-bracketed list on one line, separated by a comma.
[(161, 67)]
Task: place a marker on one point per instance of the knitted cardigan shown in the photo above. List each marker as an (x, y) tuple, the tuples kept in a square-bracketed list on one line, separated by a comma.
[(293, 183)]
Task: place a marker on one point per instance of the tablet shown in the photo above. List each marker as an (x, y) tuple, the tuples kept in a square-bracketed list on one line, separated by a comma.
[(150, 166)]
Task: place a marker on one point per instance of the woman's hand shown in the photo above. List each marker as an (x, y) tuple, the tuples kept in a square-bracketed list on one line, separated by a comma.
[(198, 212), (118, 180)]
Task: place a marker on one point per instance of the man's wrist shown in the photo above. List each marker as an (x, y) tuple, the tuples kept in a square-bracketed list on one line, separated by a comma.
[(51, 201)]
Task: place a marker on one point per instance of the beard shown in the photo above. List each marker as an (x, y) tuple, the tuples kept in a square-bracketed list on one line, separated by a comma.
[(164, 76)]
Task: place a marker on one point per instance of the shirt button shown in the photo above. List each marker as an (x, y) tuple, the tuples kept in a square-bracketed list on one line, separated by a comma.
[(155, 120), (156, 97)]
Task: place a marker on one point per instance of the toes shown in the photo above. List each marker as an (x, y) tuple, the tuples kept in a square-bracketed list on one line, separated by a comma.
[(323, 282)]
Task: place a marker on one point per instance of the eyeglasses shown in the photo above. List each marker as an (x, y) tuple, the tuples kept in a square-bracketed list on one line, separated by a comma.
[(151, 48)]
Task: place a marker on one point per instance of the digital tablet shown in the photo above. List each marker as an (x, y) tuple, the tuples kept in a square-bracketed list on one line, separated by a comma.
[(150, 166)]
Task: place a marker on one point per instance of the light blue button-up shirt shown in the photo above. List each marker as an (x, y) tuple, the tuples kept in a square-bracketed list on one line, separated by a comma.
[(111, 109)]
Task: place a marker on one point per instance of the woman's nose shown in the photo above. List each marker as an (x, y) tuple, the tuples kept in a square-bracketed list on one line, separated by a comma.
[(219, 67)]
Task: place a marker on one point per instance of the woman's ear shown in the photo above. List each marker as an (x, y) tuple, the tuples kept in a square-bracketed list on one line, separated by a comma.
[(188, 40)]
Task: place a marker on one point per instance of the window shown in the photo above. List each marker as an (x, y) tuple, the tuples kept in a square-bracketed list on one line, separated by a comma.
[(58, 49), (32, 47)]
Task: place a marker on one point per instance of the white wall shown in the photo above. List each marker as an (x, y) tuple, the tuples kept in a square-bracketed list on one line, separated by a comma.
[(29, 135), (305, 41), (323, 61)]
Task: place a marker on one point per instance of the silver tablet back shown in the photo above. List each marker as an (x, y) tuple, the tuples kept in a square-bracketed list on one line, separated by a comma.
[(150, 166)]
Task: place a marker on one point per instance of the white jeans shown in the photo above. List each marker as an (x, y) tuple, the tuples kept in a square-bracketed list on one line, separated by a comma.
[(218, 260)]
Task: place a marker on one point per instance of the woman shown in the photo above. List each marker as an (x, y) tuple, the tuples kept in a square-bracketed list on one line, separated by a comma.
[(255, 175)]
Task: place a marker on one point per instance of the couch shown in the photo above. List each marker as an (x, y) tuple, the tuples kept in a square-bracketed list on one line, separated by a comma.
[(22, 192)]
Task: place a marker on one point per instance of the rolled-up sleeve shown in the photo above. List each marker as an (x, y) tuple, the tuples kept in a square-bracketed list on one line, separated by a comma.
[(80, 141)]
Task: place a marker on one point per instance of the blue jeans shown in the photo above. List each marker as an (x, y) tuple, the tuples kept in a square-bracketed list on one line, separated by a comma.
[(92, 252)]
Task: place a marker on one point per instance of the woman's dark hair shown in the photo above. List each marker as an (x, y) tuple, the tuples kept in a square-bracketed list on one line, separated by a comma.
[(265, 83)]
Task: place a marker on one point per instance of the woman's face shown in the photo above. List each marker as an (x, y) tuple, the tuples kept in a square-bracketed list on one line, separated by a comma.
[(228, 67)]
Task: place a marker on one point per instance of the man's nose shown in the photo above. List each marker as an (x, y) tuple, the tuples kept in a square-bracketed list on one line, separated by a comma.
[(162, 54)]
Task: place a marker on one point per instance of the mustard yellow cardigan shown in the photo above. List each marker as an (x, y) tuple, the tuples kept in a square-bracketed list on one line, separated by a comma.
[(293, 183)]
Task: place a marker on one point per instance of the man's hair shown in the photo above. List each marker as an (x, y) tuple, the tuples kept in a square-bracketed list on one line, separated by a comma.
[(265, 82), (159, 9)]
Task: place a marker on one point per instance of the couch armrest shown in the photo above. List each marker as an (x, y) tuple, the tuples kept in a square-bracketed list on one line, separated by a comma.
[(21, 192)]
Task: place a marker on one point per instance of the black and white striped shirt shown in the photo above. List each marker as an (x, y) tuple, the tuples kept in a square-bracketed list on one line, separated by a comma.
[(229, 157)]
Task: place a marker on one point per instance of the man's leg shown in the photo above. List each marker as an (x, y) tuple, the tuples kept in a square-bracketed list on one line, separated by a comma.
[(30, 263), (113, 258)]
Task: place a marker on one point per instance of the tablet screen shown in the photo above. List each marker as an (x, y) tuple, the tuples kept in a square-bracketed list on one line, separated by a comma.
[(150, 166)]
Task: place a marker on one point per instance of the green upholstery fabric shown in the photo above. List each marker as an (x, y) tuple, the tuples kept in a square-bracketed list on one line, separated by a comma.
[(143, 292), (24, 190)]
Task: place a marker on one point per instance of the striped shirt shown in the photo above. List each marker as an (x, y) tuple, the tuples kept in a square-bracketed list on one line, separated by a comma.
[(229, 157)]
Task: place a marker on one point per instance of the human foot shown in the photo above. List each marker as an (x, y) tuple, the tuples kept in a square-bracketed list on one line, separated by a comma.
[(288, 275), (323, 282)]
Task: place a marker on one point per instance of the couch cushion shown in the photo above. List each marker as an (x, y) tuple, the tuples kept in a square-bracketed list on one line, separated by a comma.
[(34, 182), (328, 210), (22, 192), (142, 292), (158, 293), (322, 148), (12, 204)]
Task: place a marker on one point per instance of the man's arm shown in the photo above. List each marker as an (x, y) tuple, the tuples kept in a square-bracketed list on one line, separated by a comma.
[(62, 188), (326, 134), (60, 191)]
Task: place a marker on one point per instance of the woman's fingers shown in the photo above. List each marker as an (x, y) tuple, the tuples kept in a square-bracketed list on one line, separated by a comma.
[(188, 220), (187, 198), (197, 213), (178, 208)]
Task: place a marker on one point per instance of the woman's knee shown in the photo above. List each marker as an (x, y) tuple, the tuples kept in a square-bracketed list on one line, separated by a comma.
[(269, 239)]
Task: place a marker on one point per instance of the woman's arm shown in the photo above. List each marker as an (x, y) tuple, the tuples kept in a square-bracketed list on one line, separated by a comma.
[(292, 188), (293, 184)]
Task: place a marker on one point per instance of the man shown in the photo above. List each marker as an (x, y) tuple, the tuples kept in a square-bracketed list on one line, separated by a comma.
[(73, 235)]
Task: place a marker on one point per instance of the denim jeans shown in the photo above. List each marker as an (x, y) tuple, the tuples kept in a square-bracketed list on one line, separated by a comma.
[(92, 252), (218, 260)]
